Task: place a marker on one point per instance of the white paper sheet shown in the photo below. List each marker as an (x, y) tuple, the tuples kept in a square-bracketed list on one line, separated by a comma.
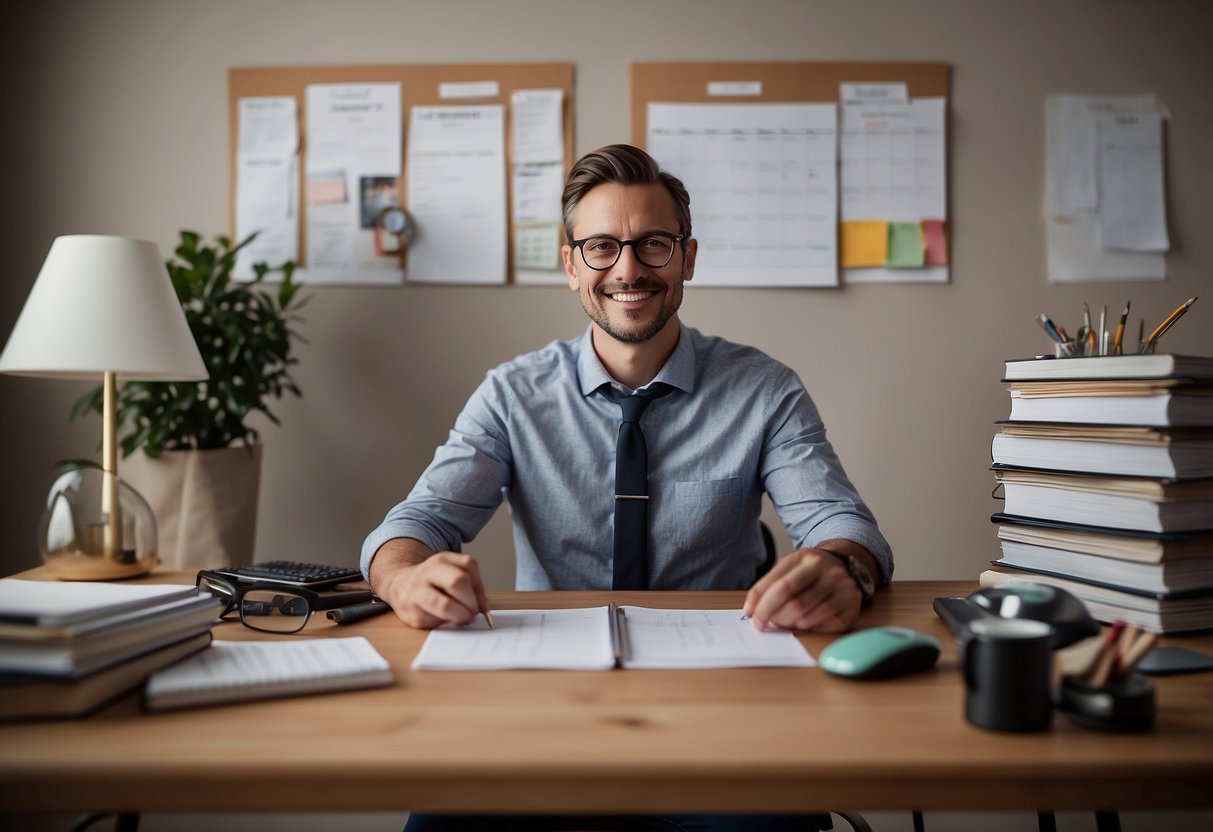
[(1132, 213), (764, 188), (668, 639), (456, 194), (267, 177), (1071, 205), (354, 161), (537, 125), (569, 639)]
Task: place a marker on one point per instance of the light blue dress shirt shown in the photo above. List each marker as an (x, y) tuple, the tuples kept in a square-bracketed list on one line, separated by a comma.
[(539, 433)]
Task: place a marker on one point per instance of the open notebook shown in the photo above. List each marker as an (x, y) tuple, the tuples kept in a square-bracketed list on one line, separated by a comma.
[(600, 638)]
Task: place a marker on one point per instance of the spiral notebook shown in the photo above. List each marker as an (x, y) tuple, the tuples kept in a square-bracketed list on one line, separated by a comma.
[(234, 671)]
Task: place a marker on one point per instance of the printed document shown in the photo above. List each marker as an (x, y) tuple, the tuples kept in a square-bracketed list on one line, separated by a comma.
[(456, 194), (765, 185), (267, 182)]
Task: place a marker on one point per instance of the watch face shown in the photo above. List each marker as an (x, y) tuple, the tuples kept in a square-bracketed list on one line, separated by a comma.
[(394, 220)]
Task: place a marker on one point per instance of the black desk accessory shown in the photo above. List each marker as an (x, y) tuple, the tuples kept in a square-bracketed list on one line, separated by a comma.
[(1069, 617), (292, 573)]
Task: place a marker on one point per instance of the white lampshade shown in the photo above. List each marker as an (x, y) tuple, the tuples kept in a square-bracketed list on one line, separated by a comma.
[(103, 304), (101, 307)]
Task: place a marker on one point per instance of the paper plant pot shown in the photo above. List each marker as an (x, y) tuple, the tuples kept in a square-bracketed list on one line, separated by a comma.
[(205, 503)]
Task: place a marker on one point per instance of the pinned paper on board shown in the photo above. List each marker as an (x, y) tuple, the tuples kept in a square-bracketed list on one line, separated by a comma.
[(1105, 199)]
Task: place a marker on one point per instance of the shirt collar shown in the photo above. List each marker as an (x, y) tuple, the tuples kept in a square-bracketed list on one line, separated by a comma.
[(678, 372)]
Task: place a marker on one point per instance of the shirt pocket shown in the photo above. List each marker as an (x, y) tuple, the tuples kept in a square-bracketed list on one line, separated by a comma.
[(708, 514)]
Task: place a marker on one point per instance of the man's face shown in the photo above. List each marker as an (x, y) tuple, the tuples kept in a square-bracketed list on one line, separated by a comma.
[(630, 301)]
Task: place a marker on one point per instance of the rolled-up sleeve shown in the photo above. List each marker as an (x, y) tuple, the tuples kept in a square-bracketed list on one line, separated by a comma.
[(462, 487), (806, 481)]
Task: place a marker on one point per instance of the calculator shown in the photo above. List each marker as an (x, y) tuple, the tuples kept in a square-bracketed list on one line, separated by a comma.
[(293, 573)]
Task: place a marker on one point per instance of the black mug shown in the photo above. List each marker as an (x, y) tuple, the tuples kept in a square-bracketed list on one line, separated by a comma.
[(1007, 670)]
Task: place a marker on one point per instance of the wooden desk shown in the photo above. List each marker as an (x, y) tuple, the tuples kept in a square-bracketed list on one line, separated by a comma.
[(721, 740)]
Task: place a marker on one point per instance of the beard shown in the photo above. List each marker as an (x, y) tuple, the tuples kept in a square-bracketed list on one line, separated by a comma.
[(595, 306)]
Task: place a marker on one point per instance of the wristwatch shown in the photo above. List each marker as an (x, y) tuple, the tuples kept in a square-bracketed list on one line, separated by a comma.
[(859, 574)]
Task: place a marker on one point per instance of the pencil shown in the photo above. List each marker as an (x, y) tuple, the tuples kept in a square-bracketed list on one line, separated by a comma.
[(1171, 319), (488, 616), (1120, 330), (1103, 330), (1104, 661), (1137, 652)]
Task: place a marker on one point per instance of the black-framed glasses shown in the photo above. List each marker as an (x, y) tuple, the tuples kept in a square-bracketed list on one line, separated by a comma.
[(654, 250), (273, 608)]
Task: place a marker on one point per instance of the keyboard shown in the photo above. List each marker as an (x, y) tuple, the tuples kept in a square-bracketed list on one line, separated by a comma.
[(293, 573)]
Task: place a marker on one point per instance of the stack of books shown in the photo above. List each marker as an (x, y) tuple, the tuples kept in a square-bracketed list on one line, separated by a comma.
[(1106, 469), (67, 648)]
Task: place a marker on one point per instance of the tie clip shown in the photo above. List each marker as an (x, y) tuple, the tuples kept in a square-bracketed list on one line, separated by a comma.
[(631, 496)]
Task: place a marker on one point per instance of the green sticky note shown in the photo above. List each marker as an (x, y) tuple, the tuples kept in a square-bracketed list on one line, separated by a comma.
[(906, 250)]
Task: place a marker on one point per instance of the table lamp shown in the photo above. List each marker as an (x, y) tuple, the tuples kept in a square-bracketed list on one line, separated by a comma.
[(102, 307)]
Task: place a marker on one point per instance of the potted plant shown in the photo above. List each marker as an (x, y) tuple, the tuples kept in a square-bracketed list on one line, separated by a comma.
[(191, 451)]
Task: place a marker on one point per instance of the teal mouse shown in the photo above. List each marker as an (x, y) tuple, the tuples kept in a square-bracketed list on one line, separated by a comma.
[(880, 652)]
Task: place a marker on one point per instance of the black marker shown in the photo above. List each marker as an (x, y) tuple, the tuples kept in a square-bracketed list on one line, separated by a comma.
[(357, 612)]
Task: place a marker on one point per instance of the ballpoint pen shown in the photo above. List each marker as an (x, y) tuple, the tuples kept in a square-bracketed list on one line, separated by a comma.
[(1120, 330), (1171, 319)]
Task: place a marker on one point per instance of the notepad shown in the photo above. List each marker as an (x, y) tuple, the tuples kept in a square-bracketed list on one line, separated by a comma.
[(588, 639), (232, 671)]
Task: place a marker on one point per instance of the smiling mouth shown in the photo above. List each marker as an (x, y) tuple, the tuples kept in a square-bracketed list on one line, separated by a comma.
[(630, 294)]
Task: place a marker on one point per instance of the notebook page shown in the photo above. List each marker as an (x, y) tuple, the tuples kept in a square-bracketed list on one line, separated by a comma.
[(669, 639), (567, 639), (236, 670)]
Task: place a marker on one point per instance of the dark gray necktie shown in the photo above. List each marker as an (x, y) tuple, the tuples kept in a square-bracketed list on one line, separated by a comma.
[(631, 568)]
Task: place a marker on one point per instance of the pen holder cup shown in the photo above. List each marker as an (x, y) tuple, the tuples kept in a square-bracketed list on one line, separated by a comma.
[(1123, 705)]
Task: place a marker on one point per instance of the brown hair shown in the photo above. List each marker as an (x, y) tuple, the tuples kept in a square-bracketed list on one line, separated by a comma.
[(625, 165)]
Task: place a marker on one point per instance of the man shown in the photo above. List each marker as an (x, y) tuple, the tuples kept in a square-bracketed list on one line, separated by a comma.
[(722, 423)]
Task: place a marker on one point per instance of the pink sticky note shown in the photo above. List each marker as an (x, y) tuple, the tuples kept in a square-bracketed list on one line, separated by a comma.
[(935, 237)]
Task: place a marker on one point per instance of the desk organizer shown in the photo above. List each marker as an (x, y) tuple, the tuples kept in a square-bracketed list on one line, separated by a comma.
[(1121, 705)]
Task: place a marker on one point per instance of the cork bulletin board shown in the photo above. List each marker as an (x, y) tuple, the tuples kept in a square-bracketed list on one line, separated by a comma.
[(796, 83), (420, 86)]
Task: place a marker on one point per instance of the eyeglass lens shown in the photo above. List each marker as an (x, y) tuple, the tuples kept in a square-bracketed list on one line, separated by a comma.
[(274, 611), (603, 252)]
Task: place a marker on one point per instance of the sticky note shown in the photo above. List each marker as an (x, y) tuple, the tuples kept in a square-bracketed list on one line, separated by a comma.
[(935, 234), (864, 243), (906, 248), (325, 188)]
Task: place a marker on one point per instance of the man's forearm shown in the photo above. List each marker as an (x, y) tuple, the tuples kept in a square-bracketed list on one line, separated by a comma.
[(843, 546), (397, 553)]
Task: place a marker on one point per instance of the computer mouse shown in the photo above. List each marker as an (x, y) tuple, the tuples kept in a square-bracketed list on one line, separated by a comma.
[(879, 653), (1071, 619)]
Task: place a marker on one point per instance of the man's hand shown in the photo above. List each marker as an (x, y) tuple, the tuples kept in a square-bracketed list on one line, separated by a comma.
[(427, 589), (808, 589)]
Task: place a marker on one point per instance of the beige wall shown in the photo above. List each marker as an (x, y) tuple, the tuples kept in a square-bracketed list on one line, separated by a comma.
[(115, 121)]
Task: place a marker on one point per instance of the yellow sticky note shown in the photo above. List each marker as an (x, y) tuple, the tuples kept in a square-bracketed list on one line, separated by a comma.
[(905, 245), (864, 243)]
